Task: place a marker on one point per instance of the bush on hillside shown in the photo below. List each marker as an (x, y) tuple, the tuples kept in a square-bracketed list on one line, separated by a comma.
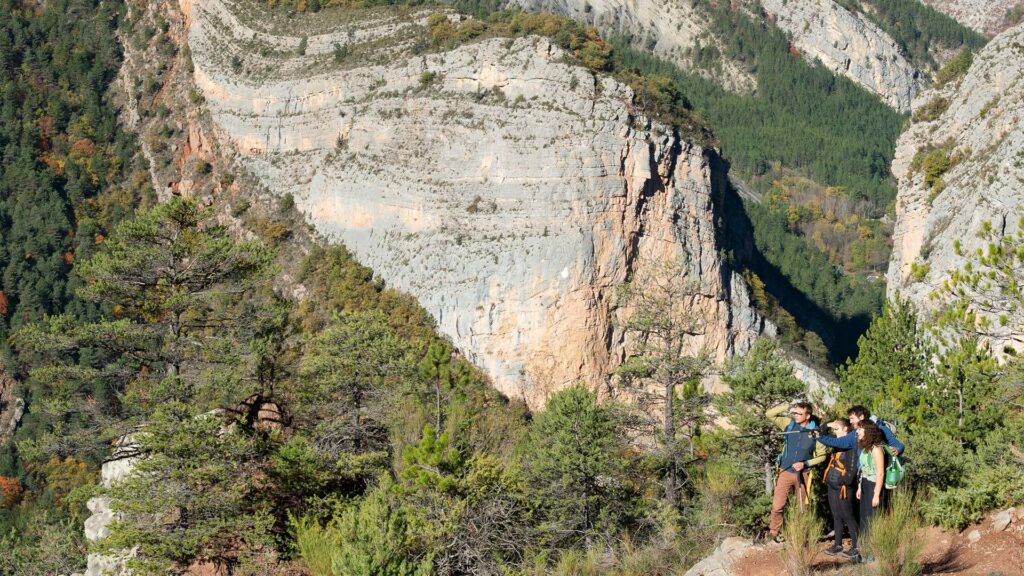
[(897, 539)]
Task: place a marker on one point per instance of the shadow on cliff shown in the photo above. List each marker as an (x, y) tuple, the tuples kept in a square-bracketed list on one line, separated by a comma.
[(735, 233)]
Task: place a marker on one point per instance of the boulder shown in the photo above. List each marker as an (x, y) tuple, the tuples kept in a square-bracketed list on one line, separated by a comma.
[(1002, 520), (721, 561)]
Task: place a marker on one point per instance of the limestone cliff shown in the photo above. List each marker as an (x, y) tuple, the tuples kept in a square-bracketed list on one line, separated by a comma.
[(510, 192), (975, 124), (667, 28), (986, 16), (847, 43)]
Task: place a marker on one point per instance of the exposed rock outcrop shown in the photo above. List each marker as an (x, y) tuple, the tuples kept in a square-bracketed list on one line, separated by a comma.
[(849, 44), (510, 192), (722, 560), (985, 16), (97, 526), (12, 408), (975, 123), (667, 28)]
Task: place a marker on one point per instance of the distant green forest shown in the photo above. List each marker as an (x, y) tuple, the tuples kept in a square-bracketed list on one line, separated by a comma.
[(66, 173)]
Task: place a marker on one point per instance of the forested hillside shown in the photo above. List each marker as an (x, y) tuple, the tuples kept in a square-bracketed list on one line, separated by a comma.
[(68, 170), (69, 174), (291, 414)]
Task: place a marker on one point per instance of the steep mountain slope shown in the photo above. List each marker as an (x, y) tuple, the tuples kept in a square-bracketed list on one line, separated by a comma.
[(986, 16), (511, 193), (959, 165), (678, 30), (848, 43)]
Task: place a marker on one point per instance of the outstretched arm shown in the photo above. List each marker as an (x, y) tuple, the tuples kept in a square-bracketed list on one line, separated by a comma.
[(778, 415), (848, 442), (820, 453)]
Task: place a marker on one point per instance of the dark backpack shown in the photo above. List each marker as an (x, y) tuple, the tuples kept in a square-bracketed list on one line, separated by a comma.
[(841, 470)]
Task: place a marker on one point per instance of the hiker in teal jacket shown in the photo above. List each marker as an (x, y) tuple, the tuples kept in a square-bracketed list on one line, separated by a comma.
[(799, 454)]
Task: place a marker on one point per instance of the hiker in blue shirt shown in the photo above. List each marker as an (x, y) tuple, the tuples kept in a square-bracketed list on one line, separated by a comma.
[(849, 441)]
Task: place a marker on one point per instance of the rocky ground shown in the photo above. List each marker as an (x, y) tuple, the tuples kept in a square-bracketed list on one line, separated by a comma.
[(992, 547)]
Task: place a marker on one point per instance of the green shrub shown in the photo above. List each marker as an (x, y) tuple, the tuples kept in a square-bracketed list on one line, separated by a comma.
[(896, 538), (932, 110), (985, 489), (938, 460), (315, 545), (369, 536), (955, 69), (801, 530)]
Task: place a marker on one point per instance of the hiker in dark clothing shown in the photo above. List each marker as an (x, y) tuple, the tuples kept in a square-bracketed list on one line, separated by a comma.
[(799, 454), (841, 478), (859, 415), (870, 441)]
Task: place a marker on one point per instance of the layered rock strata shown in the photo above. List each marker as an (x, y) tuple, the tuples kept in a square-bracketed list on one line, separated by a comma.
[(510, 192), (670, 29), (846, 43), (975, 124)]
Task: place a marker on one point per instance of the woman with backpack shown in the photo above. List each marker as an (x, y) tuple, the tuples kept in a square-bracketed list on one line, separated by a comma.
[(871, 444), (841, 478)]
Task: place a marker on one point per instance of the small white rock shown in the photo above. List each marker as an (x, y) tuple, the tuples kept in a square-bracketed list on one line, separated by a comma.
[(1002, 520), (974, 536)]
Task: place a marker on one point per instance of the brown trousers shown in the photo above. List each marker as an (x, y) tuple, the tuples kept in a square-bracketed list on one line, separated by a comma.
[(787, 481)]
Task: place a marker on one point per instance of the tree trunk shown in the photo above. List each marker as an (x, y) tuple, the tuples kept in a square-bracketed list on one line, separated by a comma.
[(769, 479), (669, 431)]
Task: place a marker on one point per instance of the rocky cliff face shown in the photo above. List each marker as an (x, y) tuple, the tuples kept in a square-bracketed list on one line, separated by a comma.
[(510, 192), (667, 28), (846, 43), (849, 44), (985, 16), (975, 124)]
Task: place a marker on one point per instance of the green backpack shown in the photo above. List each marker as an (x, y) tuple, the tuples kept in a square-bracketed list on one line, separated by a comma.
[(894, 473)]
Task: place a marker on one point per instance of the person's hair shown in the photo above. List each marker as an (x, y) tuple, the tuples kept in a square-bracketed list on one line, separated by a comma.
[(872, 436), (805, 406), (860, 411), (844, 423)]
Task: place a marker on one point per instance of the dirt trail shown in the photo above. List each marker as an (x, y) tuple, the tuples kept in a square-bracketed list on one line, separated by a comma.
[(995, 553)]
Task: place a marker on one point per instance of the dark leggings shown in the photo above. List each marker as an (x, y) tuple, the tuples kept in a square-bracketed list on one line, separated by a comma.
[(842, 513), (867, 492)]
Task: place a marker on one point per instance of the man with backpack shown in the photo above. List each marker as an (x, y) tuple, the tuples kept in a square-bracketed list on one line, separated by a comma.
[(799, 454), (857, 415)]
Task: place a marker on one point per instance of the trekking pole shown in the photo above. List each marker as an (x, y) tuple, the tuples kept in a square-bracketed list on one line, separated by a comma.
[(763, 434)]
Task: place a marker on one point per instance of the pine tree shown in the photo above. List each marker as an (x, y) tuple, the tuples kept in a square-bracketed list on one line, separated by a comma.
[(893, 367), (661, 364), (758, 381), (177, 345), (173, 283), (574, 465), (345, 376)]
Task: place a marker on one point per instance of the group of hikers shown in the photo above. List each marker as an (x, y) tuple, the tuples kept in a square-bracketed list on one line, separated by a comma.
[(861, 447)]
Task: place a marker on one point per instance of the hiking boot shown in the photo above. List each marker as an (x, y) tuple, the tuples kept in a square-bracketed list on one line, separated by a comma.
[(778, 539), (851, 554), (834, 550)]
